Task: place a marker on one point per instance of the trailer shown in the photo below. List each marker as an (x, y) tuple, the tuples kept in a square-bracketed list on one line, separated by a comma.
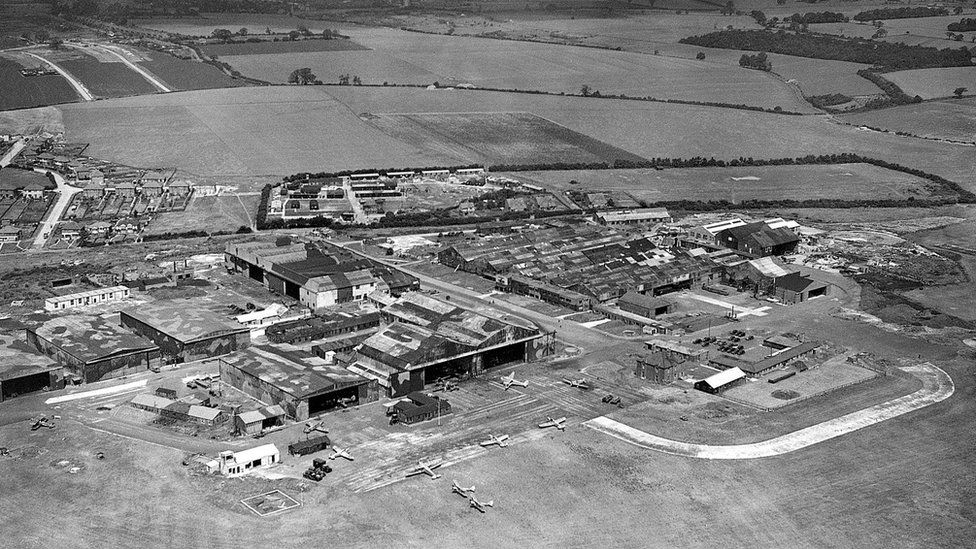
[(309, 446)]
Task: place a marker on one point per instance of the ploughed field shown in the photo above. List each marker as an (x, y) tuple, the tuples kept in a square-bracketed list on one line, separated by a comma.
[(412, 58), (18, 91), (106, 79), (949, 119), (810, 182), (183, 74), (498, 138)]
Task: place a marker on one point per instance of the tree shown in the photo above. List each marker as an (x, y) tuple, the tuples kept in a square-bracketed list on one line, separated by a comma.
[(327, 34), (302, 77), (356, 81), (700, 56), (267, 30), (222, 34), (585, 90), (304, 30), (242, 32), (42, 36), (55, 43), (293, 35), (959, 91)]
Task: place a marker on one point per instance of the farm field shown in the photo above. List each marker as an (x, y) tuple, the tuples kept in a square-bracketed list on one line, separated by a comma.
[(497, 138), (679, 131), (208, 213), (229, 131), (847, 181), (182, 74), (106, 79), (18, 92), (13, 178), (951, 118), (934, 83), (412, 58), (205, 24), (290, 46), (915, 31), (238, 131)]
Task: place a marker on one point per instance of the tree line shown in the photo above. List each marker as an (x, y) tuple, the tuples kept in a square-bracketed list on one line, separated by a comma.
[(964, 25), (891, 56), (899, 13)]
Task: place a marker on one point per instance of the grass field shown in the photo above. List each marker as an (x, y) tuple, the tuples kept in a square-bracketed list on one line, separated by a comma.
[(182, 74), (413, 58), (208, 213), (283, 130), (916, 31), (951, 118), (106, 79), (271, 47), (848, 181), (934, 83), (498, 138), (17, 92), (238, 131), (205, 24)]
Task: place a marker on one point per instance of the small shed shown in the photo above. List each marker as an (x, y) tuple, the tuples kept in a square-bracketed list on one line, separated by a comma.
[(419, 406), (720, 381), (255, 421)]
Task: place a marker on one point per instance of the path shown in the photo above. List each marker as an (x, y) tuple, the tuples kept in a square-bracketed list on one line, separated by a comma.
[(936, 387), (738, 309), (78, 86), (65, 194), (145, 74), (13, 152)]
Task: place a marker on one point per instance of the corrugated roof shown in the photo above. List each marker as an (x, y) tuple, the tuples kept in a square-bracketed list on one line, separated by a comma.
[(724, 377), (91, 338), (183, 320)]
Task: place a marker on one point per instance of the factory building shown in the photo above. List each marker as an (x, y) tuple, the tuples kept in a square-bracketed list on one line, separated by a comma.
[(427, 339), (759, 239), (23, 370), (92, 348), (645, 305), (641, 216), (85, 299), (796, 288), (184, 332), (322, 326), (318, 275), (301, 383)]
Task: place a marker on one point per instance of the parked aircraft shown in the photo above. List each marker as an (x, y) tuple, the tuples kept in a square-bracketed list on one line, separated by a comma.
[(42, 422), (427, 468), (481, 506), (460, 490), (341, 453), (492, 439), (557, 423), (578, 383), (510, 380), (315, 426)]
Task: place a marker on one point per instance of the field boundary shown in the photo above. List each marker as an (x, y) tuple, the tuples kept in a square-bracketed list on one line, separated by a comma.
[(936, 387)]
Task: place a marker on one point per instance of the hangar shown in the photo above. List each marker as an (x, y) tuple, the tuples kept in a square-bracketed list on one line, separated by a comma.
[(720, 381), (92, 348), (300, 382), (23, 370), (184, 332), (427, 339)]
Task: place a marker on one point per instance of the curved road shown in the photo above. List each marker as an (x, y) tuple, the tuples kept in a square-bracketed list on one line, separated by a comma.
[(65, 193), (142, 72), (78, 86), (936, 387)]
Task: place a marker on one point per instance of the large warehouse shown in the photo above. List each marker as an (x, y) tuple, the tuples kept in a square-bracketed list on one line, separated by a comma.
[(91, 347), (318, 275), (300, 382), (23, 370), (184, 332), (427, 339)]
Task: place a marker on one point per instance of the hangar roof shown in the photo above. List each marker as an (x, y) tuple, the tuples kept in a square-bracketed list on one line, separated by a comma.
[(184, 320), (296, 372), (90, 338), (18, 359)]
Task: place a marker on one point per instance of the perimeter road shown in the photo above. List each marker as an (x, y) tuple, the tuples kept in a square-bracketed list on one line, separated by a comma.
[(149, 78), (13, 152), (936, 387), (78, 86), (65, 193)]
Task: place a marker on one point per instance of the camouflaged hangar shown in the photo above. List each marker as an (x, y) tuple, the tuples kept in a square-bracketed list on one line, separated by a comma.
[(184, 332)]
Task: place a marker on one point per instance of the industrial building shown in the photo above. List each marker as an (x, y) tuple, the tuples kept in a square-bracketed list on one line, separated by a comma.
[(641, 216), (322, 326), (184, 332), (427, 339), (721, 381), (419, 406), (256, 421), (781, 358), (645, 305), (87, 298), (759, 239), (319, 275), (760, 273), (300, 382), (23, 370), (796, 288), (92, 348), (180, 411)]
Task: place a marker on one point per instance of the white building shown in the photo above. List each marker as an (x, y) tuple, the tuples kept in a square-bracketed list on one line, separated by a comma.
[(84, 299), (235, 464), (642, 216), (327, 291)]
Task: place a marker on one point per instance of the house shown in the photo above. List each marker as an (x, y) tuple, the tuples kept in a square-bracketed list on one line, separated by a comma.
[(126, 188), (93, 190), (70, 230), (10, 234), (758, 239), (127, 226), (796, 288), (33, 191), (98, 229), (181, 188), (151, 188), (97, 177)]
